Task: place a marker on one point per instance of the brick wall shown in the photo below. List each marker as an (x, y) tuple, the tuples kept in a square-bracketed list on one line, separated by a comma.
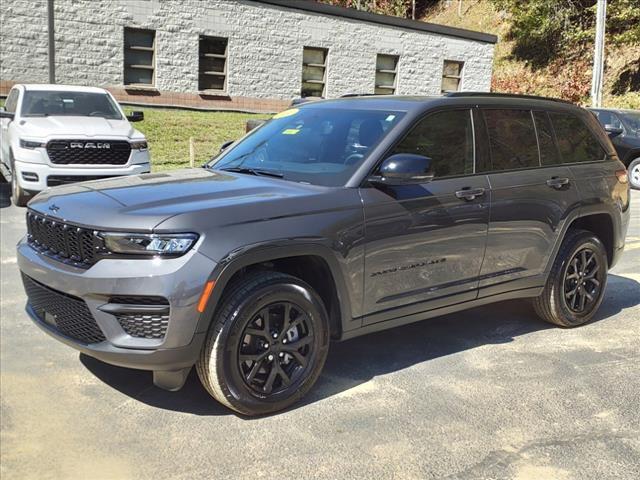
[(264, 50)]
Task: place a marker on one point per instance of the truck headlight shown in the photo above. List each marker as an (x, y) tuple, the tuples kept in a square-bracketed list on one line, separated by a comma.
[(31, 145), (170, 244), (139, 145)]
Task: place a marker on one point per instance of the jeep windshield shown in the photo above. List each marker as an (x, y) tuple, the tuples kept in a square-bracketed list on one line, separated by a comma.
[(40, 103), (320, 146)]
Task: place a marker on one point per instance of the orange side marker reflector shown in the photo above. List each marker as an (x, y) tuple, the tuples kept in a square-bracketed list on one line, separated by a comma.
[(206, 293), (622, 176)]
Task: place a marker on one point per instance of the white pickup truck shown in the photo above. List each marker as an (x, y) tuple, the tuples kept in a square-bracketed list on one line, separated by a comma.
[(56, 134)]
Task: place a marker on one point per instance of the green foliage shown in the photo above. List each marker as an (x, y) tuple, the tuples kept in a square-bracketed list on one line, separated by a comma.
[(168, 132), (544, 30), (396, 8)]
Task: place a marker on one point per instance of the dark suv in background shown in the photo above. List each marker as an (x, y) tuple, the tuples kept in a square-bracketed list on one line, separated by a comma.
[(334, 219), (623, 127)]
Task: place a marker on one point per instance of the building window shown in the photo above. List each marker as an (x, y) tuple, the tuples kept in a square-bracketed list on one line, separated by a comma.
[(212, 68), (139, 57), (452, 76), (314, 67), (386, 70)]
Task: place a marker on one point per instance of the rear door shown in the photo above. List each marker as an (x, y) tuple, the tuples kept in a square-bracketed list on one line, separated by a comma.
[(531, 193), (424, 243)]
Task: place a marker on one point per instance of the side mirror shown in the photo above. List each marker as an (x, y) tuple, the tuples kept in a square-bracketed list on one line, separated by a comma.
[(226, 145), (613, 131), (404, 169), (136, 116), (8, 115)]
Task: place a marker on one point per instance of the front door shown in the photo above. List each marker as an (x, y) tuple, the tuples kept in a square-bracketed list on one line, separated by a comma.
[(424, 244)]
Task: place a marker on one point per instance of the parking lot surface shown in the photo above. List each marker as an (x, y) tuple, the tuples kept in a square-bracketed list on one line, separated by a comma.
[(487, 393)]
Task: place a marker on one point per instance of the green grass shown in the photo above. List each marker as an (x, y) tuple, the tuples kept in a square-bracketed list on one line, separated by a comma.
[(168, 132)]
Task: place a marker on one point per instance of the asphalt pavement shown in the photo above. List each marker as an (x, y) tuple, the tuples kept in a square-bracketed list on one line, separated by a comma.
[(490, 393)]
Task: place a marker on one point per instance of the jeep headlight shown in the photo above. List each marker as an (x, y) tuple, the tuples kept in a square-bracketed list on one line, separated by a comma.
[(31, 145), (170, 244)]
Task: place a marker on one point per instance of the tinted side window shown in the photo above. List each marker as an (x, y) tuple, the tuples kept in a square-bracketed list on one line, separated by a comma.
[(575, 140), (445, 137), (512, 139), (549, 154), (12, 101)]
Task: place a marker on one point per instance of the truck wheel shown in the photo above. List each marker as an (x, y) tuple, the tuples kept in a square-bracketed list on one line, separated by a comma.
[(19, 196), (266, 345), (576, 283), (634, 173)]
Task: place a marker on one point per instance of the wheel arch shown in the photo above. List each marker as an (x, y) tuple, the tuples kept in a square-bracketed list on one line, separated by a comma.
[(313, 263)]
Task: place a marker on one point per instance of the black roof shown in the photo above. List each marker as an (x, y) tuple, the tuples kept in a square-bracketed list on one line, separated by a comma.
[(408, 103), (323, 8)]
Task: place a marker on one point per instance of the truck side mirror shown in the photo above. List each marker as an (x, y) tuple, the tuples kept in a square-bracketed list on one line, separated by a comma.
[(136, 116), (4, 114)]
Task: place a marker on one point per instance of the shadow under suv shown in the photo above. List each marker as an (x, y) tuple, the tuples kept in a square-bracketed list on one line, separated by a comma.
[(334, 219)]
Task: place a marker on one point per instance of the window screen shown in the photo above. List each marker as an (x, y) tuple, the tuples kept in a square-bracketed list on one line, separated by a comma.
[(212, 65), (451, 76), (386, 70), (314, 64), (549, 154), (139, 53), (445, 137), (575, 140), (512, 139)]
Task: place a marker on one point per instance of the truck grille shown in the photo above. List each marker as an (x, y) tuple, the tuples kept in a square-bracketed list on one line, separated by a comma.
[(61, 241), (67, 314), (55, 180), (85, 152)]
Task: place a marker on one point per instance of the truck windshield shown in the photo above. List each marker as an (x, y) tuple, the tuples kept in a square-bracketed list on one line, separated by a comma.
[(632, 121), (40, 103), (316, 145)]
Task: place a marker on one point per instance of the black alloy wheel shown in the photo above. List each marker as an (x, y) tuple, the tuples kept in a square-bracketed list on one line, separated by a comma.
[(582, 281), (276, 348)]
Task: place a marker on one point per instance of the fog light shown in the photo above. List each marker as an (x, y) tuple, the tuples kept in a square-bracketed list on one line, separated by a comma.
[(30, 176)]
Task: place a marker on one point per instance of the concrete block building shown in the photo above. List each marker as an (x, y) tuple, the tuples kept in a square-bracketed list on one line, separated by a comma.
[(246, 55)]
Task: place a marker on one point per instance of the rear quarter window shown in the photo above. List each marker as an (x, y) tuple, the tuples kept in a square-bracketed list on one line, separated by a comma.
[(575, 140)]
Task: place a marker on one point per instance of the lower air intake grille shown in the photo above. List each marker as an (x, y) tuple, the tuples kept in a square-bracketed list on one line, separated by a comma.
[(144, 325), (67, 314)]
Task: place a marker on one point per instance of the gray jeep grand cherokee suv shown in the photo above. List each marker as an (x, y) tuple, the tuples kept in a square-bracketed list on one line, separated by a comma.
[(332, 220)]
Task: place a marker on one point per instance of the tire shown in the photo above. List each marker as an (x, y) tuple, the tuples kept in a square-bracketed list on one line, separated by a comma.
[(19, 196), (556, 304), (634, 173), (238, 329)]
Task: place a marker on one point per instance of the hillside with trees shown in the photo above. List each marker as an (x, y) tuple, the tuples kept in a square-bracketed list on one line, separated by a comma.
[(545, 47)]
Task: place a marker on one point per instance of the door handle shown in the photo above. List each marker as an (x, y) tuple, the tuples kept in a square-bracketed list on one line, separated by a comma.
[(469, 193), (556, 182)]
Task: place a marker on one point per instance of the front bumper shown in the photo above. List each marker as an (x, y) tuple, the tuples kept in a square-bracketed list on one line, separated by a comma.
[(179, 280), (26, 172)]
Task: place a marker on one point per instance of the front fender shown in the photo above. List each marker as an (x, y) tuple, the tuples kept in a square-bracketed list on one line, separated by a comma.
[(259, 253)]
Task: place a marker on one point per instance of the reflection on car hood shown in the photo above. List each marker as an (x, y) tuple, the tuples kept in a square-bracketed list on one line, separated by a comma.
[(141, 202)]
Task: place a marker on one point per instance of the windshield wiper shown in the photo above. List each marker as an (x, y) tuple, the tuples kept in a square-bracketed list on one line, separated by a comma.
[(253, 171)]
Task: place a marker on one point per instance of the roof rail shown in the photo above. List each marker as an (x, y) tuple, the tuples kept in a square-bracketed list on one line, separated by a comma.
[(349, 95), (505, 95)]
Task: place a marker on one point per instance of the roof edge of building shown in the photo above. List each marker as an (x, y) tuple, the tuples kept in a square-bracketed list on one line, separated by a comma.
[(352, 13)]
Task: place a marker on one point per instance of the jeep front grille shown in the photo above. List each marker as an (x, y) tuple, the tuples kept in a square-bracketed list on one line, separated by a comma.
[(89, 152), (62, 241), (65, 313)]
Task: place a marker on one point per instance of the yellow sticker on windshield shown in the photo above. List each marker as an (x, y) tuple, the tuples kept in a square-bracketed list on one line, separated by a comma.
[(286, 113), (290, 131)]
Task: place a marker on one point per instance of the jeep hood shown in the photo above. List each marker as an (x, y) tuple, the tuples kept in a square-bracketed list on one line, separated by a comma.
[(142, 202), (75, 127)]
